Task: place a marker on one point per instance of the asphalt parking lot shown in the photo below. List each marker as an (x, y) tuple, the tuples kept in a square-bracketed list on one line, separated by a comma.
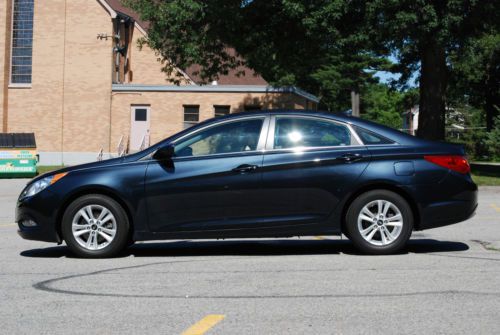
[(447, 281)]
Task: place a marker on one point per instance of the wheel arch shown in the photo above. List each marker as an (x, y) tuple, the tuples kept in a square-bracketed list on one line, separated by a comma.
[(93, 190), (382, 186)]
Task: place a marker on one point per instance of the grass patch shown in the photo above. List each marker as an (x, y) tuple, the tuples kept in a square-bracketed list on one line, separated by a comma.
[(47, 168), (481, 180)]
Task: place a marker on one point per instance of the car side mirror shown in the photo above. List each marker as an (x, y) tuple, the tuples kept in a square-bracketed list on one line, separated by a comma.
[(164, 153)]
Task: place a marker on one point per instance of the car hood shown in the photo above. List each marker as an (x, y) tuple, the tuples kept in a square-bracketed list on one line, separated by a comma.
[(106, 162)]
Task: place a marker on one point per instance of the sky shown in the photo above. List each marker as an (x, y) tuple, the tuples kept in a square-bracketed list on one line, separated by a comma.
[(385, 77)]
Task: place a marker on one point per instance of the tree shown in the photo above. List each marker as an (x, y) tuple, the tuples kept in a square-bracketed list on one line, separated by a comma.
[(383, 104), (317, 45), (422, 34), (475, 75), (328, 47)]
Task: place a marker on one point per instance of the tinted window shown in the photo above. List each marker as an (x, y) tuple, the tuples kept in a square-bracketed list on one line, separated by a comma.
[(229, 137), (301, 132), (369, 137)]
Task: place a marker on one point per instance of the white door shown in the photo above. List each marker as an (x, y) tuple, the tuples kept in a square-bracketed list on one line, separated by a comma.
[(139, 128)]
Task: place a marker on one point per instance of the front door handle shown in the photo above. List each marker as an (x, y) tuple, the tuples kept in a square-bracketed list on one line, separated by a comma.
[(349, 158), (245, 168)]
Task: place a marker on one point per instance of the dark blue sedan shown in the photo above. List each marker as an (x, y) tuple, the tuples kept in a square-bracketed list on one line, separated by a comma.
[(258, 174)]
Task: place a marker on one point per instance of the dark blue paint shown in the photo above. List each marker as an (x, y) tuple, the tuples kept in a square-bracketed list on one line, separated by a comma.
[(404, 168), (289, 193)]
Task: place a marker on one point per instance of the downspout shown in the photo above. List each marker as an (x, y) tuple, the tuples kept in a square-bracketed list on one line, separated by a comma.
[(6, 65), (63, 82)]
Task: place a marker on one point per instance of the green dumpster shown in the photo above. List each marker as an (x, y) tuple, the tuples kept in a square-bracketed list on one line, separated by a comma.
[(18, 156)]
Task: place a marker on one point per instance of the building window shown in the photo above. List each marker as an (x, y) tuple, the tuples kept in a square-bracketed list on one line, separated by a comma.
[(250, 108), (191, 115), (22, 41), (222, 110)]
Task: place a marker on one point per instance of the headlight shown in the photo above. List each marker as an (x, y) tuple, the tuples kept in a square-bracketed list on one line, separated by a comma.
[(41, 184)]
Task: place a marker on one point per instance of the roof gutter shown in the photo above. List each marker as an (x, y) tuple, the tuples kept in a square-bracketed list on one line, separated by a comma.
[(214, 89)]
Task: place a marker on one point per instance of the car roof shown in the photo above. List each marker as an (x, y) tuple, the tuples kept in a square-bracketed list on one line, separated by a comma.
[(393, 134), (377, 128)]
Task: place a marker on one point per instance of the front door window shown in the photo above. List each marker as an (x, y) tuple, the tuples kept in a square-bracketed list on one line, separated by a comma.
[(230, 137)]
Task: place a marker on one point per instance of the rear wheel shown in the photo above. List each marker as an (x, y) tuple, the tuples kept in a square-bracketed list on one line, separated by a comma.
[(379, 222), (95, 226)]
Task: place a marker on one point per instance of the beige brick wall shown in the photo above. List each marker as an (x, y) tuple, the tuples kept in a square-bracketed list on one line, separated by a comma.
[(87, 77), (39, 109), (167, 111), (71, 78), (146, 65)]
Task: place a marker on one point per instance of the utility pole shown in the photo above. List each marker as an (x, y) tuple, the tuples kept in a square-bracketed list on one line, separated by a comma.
[(355, 103)]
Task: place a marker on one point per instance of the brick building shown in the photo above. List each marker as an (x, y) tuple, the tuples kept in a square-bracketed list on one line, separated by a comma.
[(72, 73)]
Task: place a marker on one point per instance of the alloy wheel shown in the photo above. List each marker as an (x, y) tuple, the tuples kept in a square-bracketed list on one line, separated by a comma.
[(94, 227), (380, 222)]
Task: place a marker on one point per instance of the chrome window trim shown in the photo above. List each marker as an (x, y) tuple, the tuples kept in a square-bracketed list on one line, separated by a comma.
[(355, 134), (270, 138), (225, 154), (261, 145), (299, 150)]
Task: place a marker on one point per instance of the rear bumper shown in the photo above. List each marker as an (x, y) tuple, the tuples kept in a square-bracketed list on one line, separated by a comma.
[(452, 200), (444, 214)]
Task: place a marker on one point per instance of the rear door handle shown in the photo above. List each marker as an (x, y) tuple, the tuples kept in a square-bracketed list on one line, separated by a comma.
[(349, 158), (245, 168)]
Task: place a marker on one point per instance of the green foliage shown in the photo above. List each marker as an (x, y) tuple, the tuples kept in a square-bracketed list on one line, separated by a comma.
[(406, 27), (475, 75), (492, 141), (381, 104), (317, 45), (479, 144), (330, 47)]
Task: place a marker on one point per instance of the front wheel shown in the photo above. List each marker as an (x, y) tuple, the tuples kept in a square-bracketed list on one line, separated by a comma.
[(379, 222), (95, 226)]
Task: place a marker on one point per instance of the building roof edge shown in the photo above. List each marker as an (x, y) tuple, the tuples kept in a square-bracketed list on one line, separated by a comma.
[(213, 88)]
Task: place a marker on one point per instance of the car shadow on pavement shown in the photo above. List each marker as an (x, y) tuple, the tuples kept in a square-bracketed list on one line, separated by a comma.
[(253, 248)]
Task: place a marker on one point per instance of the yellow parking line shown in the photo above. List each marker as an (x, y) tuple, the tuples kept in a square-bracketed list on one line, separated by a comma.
[(495, 207), (319, 238), (205, 324), (7, 224)]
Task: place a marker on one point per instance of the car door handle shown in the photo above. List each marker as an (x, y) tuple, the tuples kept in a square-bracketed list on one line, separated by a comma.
[(245, 168), (349, 158)]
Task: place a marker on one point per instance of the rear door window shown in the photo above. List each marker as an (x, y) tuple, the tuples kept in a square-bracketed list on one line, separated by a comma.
[(296, 132)]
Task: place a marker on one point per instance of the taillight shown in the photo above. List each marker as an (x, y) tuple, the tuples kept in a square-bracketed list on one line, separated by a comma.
[(455, 163)]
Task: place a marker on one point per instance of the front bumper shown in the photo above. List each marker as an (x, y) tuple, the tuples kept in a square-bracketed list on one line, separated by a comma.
[(42, 210)]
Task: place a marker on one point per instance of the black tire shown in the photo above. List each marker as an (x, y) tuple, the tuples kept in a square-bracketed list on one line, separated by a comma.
[(120, 225), (362, 243)]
